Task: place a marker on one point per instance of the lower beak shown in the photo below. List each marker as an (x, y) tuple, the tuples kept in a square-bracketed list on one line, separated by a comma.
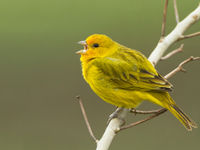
[(83, 51)]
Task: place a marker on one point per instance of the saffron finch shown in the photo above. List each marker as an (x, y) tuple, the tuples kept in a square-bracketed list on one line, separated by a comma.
[(124, 77)]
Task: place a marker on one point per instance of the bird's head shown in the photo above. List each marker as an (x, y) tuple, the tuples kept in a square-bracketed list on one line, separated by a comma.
[(96, 45)]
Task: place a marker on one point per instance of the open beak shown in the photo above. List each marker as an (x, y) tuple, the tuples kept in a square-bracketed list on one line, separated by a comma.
[(83, 51)]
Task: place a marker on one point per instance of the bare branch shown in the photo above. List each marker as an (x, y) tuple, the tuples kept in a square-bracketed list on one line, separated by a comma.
[(178, 50), (86, 119), (180, 66), (176, 12), (161, 111), (189, 36), (109, 134), (145, 112), (164, 19), (175, 34)]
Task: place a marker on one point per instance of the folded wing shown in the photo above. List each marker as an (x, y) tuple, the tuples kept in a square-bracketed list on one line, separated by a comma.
[(131, 74)]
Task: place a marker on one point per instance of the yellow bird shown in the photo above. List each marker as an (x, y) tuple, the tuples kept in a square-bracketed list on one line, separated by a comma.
[(124, 77)]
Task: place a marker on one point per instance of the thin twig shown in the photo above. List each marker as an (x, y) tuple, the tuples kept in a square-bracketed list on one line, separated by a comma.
[(180, 49), (164, 19), (86, 119), (176, 12), (145, 112), (161, 111), (180, 66), (189, 36)]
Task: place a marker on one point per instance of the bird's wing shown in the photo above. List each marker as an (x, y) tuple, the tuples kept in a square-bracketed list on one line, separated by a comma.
[(130, 76)]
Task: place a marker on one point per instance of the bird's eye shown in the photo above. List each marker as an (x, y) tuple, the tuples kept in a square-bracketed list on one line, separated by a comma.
[(95, 45)]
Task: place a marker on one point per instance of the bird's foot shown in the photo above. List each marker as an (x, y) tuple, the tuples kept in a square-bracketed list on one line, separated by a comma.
[(115, 114), (133, 110)]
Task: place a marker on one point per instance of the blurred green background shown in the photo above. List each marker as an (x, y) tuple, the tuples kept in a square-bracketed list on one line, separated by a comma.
[(41, 74)]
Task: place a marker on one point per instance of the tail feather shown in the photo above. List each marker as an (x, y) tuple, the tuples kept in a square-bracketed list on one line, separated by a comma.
[(165, 100), (182, 117)]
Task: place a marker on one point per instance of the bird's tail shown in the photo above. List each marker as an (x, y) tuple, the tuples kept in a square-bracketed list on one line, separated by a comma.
[(182, 117), (168, 103)]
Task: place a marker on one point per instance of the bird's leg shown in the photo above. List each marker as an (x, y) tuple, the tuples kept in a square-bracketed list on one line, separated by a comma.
[(115, 114)]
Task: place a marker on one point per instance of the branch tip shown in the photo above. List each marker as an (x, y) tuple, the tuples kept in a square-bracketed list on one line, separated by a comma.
[(176, 11), (86, 118), (78, 97), (180, 67), (164, 19)]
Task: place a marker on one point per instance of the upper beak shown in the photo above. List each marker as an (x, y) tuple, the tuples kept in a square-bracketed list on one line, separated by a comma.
[(83, 51), (82, 43)]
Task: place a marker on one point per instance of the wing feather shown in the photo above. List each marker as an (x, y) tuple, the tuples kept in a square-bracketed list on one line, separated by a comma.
[(131, 74)]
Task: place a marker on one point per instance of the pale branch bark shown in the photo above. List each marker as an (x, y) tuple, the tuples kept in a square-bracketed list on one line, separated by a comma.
[(176, 11), (157, 53), (110, 132), (177, 33), (180, 67), (189, 36), (178, 50), (164, 19), (86, 119)]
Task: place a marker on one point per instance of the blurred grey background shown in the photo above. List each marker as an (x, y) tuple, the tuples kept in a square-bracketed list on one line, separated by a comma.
[(41, 74)]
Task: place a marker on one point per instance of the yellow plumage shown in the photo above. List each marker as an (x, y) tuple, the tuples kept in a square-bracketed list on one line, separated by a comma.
[(124, 77)]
